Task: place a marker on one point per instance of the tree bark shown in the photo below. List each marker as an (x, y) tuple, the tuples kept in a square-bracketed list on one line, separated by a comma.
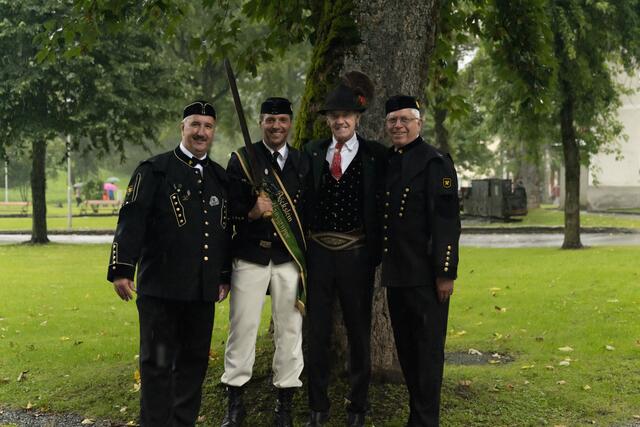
[(38, 190), (572, 172), (391, 42)]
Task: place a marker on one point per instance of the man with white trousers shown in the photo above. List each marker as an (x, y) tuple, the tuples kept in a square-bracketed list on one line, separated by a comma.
[(264, 262)]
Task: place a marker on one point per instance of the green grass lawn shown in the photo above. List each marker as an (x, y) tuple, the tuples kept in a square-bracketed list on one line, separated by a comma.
[(555, 312), (549, 217), (57, 220), (82, 223)]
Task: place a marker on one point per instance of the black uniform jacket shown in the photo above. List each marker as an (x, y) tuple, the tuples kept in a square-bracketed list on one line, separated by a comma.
[(173, 226), (257, 241), (421, 220), (373, 166)]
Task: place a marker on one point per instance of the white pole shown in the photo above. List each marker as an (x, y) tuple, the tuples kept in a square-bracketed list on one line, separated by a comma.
[(69, 187), (6, 181)]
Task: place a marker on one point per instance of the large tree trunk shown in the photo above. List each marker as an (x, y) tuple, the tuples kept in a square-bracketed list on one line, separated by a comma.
[(38, 189), (572, 172), (391, 43)]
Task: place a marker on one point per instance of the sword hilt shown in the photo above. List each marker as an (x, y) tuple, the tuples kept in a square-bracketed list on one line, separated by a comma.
[(265, 214)]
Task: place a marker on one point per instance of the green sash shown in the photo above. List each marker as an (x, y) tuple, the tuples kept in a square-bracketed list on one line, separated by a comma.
[(285, 219)]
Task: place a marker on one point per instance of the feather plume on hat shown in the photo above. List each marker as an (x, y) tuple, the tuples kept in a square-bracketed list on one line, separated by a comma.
[(361, 85)]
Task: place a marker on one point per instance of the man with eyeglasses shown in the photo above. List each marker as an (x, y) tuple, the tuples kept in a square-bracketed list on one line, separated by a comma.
[(265, 258), (173, 228), (344, 249), (421, 230)]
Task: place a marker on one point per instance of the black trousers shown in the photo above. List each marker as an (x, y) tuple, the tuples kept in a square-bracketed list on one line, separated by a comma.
[(419, 323), (349, 275), (175, 337)]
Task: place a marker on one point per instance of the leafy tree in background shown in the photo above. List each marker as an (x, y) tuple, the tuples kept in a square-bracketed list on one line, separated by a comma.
[(548, 73), (593, 41), (559, 60), (118, 93)]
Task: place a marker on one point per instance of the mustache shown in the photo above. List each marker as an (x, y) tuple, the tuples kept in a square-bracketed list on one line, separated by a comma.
[(199, 138)]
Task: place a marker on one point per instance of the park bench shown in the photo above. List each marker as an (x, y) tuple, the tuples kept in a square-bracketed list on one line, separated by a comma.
[(95, 206), (24, 206)]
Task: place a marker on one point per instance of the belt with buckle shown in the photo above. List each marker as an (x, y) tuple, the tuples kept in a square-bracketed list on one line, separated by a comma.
[(265, 244), (336, 241)]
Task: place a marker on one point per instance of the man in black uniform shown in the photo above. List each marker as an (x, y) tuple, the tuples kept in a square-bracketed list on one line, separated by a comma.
[(173, 228), (421, 229), (263, 261), (347, 172)]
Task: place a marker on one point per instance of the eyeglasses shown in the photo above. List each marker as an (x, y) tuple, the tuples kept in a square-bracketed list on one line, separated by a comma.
[(403, 120)]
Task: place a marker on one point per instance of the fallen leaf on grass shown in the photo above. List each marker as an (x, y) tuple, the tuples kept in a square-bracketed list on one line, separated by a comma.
[(44, 323), (497, 336), (500, 309), (549, 367), (493, 361), (561, 382), (136, 388), (475, 352), (29, 405), (201, 418), (461, 333), (564, 363), (494, 389), (465, 383), (123, 409), (609, 347), (64, 338), (136, 376), (528, 366), (22, 376), (613, 300), (637, 417), (586, 387), (87, 421), (565, 349), (132, 423), (495, 289), (4, 380)]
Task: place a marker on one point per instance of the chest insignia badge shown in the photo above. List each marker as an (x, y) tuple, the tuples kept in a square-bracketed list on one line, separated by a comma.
[(446, 182), (214, 201)]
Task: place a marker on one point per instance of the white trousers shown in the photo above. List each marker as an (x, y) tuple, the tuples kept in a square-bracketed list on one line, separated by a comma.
[(249, 283)]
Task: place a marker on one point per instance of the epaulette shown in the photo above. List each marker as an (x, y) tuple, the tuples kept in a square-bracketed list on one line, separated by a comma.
[(160, 162)]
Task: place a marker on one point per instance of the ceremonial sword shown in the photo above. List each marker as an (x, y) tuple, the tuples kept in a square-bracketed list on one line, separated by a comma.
[(254, 167)]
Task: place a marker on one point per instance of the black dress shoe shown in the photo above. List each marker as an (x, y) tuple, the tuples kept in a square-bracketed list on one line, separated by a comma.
[(355, 419), (282, 416), (235, 410), (317, 419)]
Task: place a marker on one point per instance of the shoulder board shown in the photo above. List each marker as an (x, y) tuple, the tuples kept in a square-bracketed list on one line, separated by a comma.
[(159, 162)]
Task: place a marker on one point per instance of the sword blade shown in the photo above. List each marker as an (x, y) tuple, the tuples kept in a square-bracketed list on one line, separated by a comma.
[(253, 160)]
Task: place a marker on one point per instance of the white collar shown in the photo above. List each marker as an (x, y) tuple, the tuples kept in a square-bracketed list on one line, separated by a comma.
[(284, 150), (189, 153), (350, 144)]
